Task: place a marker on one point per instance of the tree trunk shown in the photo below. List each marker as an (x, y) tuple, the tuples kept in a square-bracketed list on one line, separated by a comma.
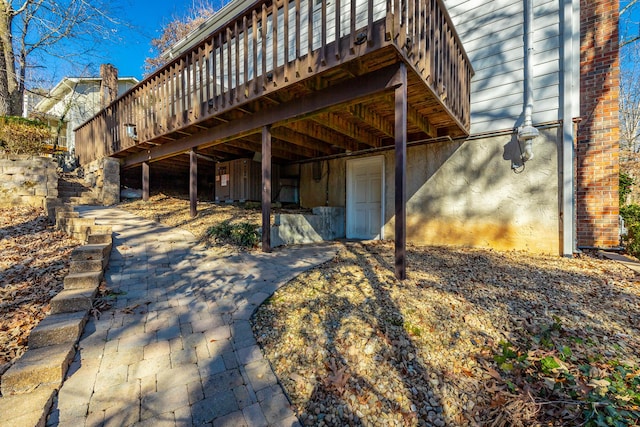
[(10, 94)]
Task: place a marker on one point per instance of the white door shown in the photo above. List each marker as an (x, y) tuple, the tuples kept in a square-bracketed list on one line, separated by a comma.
[(365, 196)]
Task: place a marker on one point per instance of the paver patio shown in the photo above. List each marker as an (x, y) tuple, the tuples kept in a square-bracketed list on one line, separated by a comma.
[(177, 347)]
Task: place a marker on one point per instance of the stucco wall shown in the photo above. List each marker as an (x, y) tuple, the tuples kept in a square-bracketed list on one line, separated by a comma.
[(465, 193), (27, 181)]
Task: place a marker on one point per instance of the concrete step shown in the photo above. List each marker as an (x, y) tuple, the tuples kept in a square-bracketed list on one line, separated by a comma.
[(58, 329), (86, 266), (83, 280), (29, 409), (38, 367), (70, 300)]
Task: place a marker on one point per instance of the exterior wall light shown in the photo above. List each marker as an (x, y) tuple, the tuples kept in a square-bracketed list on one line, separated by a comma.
[(131, 131)]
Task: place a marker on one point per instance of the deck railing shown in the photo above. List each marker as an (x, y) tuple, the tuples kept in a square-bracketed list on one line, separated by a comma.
[(274, 43)]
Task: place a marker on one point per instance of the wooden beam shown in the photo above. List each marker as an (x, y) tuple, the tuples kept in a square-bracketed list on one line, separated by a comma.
[(256, 147), (294, 135), (145, 181), (368, 85), (266, 189), (373, 119), (314, 129), (401, 177), (343, 126), (193, 182), (417, 119)]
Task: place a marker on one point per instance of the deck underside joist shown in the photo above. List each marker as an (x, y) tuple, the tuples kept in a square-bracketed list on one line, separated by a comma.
[(353, 110)]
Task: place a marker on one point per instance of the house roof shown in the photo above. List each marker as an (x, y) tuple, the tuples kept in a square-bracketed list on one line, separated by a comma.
[(67, 85), (216, 21)]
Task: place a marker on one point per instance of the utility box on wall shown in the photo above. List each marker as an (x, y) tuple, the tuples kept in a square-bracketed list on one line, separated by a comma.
[(238, 180)]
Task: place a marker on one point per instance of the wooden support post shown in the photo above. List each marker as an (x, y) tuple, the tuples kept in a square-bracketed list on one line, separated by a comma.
[(145, 181), (266, 189), (401, 176), (193, 182)]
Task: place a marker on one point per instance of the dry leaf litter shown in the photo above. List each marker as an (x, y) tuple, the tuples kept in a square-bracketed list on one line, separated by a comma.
[(34, 259), (353, 346)]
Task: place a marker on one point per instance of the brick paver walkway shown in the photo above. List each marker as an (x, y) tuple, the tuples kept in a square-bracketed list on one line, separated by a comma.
[(177, 347)]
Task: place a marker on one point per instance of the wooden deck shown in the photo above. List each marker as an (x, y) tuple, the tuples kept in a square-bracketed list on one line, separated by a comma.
[(322, 95)]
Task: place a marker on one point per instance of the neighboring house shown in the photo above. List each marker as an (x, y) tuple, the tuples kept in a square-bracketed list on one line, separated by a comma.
[(73, 101), (510, 116)]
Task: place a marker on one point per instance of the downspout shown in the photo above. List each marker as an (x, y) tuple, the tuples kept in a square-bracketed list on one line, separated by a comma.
[(570, 19), (527, 133)]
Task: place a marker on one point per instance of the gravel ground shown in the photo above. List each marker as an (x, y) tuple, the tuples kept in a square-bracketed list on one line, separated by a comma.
[(353, 346), (34, 259)]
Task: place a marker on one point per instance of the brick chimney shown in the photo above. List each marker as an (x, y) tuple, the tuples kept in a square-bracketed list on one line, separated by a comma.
[(108, 85)]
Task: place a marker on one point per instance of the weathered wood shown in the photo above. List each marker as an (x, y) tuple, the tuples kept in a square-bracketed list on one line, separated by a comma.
[(266, 189), (401, 177), (174, 97), (145, 181), (368, 85), (193, 182)]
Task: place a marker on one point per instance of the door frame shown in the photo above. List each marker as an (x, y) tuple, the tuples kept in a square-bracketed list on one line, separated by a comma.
[(373, 161)]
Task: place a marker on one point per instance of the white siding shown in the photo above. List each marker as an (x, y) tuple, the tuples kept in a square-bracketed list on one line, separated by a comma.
[(492, 33)]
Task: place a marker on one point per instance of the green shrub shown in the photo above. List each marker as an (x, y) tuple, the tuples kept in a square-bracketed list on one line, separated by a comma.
[(23, 136), (244, 234), (624, 189), (631, 215)]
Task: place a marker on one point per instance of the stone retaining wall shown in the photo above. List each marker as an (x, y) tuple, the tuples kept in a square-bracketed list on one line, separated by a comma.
[(27, 180), (103, 177)]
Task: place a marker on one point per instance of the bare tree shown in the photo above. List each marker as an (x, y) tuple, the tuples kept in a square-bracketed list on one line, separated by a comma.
[(177, 29), (630, 101), (626, 20), (40, 29)]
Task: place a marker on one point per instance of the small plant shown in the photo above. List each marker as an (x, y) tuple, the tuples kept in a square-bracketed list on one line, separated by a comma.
[(244, 234), (603, 392)]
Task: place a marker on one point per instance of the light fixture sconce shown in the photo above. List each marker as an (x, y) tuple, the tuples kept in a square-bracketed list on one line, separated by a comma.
[(131, 131)]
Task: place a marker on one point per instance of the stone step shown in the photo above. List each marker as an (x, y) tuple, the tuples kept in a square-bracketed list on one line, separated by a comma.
[(70, 300), (88, 280), (67, 193), (29, 409), (83, 201), (91, 252), (38, 367), (99, 238), (86, 266), (58, 329)]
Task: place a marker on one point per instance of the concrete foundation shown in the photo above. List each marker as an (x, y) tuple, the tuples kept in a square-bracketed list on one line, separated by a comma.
[(464, 193), (324, 223)]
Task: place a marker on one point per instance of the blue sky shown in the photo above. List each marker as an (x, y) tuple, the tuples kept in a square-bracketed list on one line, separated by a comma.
[(146, 17)]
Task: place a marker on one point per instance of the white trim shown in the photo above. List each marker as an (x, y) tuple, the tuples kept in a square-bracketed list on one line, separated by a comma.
[(374, 161)]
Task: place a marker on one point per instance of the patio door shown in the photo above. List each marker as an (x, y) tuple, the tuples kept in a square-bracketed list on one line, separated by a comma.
[(365, 198)]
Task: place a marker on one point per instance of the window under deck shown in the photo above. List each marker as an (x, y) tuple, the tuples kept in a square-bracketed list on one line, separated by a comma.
[(322, 95)]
